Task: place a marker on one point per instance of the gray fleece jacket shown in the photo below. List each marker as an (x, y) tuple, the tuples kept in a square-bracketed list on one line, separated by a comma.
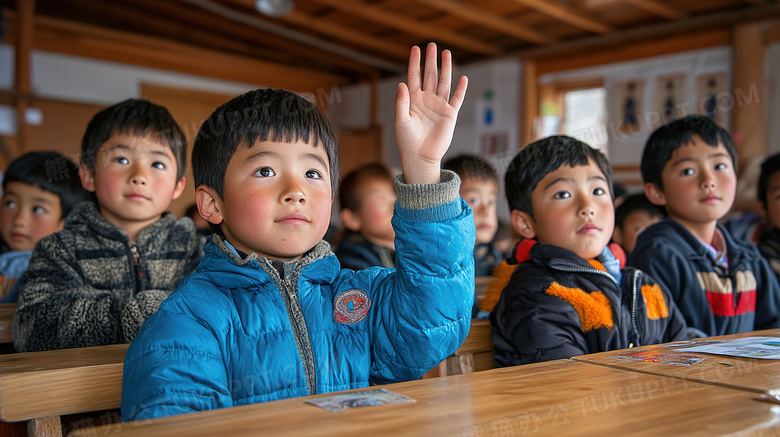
[(89, 285)]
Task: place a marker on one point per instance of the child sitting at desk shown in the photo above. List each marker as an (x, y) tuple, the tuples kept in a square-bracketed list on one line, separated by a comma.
[(722, 285), (367, 198), (39, 190), (96, 281), (568, 294), (270, 314)]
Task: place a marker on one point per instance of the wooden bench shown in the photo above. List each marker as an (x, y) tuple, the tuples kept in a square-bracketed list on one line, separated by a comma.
[(6, 322), (39, 387), (476, 352)]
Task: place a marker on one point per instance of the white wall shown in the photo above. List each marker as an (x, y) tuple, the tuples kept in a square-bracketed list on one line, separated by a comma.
[(626, 148), (85, 80)]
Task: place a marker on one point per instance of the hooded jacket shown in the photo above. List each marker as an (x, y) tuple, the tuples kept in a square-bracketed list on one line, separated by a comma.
[(715, 301), (559, 305), (89, 285), (247, 330)]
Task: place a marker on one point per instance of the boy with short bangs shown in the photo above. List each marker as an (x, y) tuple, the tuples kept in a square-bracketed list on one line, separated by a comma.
[(769, 195), (367, 199), (117, 258), (270, 314), (568, 295), (721, 285), (39, 190)]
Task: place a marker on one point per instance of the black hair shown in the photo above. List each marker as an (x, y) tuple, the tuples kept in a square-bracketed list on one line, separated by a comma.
[(677, 133), (471, 168), (769, 167), (542, 157), (264, 114), (134, 117), (635, 202), (349, 188), (49, 171)]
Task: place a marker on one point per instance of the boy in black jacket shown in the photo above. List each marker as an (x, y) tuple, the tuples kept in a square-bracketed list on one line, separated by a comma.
[(568, 295)]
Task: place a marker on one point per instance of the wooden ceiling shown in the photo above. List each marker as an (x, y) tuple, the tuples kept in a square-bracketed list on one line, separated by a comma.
[(359, 39)]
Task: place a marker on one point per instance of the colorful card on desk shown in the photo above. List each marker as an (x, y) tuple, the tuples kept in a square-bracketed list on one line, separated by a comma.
[(661, 357), (368, 398), (767, 348)]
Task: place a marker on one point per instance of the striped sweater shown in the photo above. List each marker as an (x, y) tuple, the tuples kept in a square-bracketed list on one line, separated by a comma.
[(89, 285)]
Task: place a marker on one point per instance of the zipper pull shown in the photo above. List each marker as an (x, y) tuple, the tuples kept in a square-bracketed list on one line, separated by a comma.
[(136, 257)]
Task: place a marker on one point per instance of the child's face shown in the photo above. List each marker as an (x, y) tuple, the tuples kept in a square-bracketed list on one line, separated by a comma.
[(28, 214), (699, 184), (277, 199), (134, 180), (773, 200), (633, 225), (573, 209), (376, 211), (481, 196)]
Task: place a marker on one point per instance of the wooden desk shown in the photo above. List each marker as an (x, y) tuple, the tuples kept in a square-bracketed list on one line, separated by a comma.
[(755, 375), (41, 386), (554, 398), (6, 322)]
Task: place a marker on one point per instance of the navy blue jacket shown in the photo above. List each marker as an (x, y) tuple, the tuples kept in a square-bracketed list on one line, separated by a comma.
[(717, 302), (559, 305)]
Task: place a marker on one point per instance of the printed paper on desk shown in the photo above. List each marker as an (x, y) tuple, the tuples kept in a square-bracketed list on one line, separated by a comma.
[(767, 348), (368, 398)]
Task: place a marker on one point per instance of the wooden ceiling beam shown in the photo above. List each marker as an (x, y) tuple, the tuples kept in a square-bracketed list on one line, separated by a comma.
[(490, 20), (658, 8), (406, 24), (345, 34), (62, 36), (566, 14)]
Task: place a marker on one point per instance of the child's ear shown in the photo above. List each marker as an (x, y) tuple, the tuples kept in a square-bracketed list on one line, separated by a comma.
[(350, 220), (87, 178), (208, 205), (523, 223), (179, 187), (654, 194)]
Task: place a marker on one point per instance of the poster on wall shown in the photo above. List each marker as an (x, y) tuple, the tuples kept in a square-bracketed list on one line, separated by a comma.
[(709, 87), (629, 105), (669, 101)]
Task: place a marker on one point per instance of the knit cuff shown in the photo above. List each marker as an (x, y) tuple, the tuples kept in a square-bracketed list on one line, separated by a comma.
[(429, 202)]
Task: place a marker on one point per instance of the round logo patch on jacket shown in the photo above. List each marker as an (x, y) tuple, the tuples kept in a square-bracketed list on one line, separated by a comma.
[(351, 306)]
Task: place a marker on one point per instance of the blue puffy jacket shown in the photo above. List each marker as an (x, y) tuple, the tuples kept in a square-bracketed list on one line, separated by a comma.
[(236, 332)]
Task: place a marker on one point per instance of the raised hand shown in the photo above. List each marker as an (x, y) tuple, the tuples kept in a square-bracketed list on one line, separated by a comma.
[(425, 115)]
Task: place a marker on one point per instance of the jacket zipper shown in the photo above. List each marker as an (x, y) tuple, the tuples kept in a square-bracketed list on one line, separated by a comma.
[(301, 335), (138, 274), (637, 276)]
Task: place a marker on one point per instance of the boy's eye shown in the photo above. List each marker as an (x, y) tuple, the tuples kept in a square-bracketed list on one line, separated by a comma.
[(474, 201), (121, 160), (159, 165), (313, 174), (688, 172), (265, 172), (39, 210), (721, 166), (562, 195), (599, 191), (10, 204)]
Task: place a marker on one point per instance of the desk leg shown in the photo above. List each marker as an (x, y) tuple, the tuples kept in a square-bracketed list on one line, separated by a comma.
[(45, 427)]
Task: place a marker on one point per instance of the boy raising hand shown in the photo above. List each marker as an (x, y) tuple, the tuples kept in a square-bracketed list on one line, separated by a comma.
[(269, 314)]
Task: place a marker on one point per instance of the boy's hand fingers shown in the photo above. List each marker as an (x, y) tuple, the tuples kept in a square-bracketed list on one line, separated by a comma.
[(429, 83), (413, 76), (460, 93), (402, 103), (445, 80)]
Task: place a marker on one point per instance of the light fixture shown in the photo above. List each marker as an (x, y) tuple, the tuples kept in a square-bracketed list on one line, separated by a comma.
[(274, 8)]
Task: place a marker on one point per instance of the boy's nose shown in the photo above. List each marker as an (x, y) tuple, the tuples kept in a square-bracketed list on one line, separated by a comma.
[(139, 180)]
